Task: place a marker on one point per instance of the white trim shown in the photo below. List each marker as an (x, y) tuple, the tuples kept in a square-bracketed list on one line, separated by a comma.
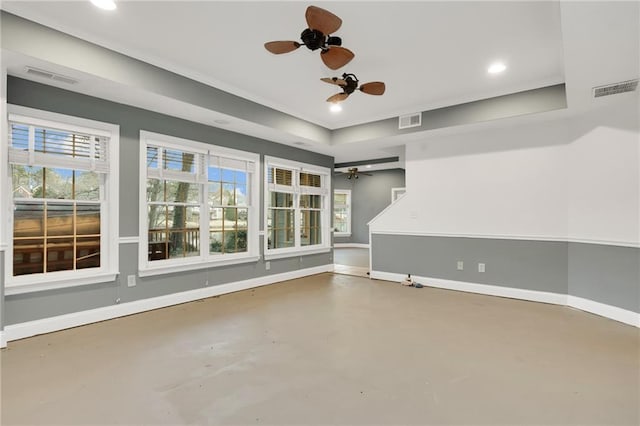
[(300, 252), (631, 244), (3, 247), (490, 290), (350, 245), (47, 283), (61, 322), (607, 311), (181, 267), (349, 208), (129, 240), (3, 342), (394, 191)]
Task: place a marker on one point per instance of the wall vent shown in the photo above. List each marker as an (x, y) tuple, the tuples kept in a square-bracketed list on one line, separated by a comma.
[(50, 75), (410, 120), (615, 88)]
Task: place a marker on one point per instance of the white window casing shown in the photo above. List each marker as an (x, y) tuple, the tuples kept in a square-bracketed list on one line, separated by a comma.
[(205, 156), (346, 206), (96, 149)]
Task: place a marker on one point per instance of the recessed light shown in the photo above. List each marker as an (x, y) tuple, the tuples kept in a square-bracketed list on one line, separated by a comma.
[(336, 107), (496, 68), (368, 166), (104, 4)]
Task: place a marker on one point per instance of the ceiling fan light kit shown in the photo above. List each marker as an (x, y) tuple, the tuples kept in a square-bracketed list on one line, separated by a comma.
[(321, 23)]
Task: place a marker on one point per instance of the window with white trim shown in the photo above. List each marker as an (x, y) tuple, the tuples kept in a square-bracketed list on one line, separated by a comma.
[(200, 204), (342, 212), (63, 200), (296, 208)]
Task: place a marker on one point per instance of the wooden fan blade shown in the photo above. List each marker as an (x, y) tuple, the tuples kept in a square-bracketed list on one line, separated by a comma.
[(373, 88), (278, 47), (336, 57), (334, 80), (322, 20), (339, 97)]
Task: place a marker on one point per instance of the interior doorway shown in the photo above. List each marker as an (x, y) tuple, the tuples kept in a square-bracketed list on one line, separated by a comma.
[(351, 261)]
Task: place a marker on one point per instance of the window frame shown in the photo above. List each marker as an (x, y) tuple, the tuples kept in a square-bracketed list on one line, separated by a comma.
[(204, 259), (109, 205), (326, 212), (348, 206)]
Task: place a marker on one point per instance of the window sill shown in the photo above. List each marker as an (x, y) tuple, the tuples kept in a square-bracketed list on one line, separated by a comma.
[(296, 252), (181, 267), (341, 234), (46, 283)]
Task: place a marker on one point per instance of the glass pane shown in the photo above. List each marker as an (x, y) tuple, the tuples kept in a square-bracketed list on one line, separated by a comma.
[(228, 194), (281, 199), (215, 196), (184, 231), (87, 219), (215, 219), (281, 229), (308, 179), (28, 220), (339, 226), (59, 219), (157, 218), (280, 176), (182, 192), (215, 242), (58, 183), (60, 254), (19, 137), (178, 160), (230, 241), (28, 256), (241, 195), (243, 218), (241, 178), (155, 190), (152, 157), (26, 181), (241, 240), (87, 186), (228, 176), (88, 252), (340, 199), (159, 246), (230, 216), (214, 174), (310, 201)]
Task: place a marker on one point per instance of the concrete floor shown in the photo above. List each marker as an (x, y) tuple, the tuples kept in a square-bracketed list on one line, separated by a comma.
[(331, 349)]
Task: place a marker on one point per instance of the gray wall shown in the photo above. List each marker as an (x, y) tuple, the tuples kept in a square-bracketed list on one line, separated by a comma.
[(31, 306), (369, 196), (605, 274)]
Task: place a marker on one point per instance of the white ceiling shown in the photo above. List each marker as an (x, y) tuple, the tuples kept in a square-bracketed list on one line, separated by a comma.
[(429, 54)]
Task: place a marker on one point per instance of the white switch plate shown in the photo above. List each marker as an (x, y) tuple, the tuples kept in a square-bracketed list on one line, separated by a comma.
[(267, 265), (460, 265), (480, 267)]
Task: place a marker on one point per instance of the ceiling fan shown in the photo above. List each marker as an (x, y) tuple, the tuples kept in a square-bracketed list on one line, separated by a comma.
[(353, 173), (349, 84), (321, 23)]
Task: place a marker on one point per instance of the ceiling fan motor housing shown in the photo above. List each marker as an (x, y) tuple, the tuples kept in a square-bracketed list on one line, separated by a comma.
[(334, 41), (313, 39)]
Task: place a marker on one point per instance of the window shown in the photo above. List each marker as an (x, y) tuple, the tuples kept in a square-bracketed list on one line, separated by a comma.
[(342, 212), (199, 209), (63, 199), (296, 208)]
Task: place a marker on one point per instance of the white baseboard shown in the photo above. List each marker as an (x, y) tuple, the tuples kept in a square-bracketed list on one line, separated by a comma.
[(350, 245), (607, 311), (61, 322), (491, 290), (3, 342)]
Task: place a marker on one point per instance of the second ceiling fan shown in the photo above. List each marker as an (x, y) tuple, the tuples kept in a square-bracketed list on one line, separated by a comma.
[(321, 23), (349, 84)]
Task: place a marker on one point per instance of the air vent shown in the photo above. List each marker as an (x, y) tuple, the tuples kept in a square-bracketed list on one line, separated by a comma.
[(50, 75), (410, 120), (613, 89)]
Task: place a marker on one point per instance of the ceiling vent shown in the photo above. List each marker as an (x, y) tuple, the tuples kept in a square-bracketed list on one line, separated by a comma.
[(50, 75), (410, 120), (615, 88)]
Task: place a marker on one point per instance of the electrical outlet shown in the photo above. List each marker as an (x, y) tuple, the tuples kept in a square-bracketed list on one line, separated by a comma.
[(267, 265), (460, 265), (480, 267), (206, 283), (131, 281)]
